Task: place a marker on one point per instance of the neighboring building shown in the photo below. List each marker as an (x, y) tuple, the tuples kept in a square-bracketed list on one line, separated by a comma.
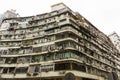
[(8, 14), (115, 39), (1, 19), (59, 45)]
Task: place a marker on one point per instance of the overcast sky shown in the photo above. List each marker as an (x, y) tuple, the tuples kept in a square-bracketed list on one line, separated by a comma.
[(104, 14)]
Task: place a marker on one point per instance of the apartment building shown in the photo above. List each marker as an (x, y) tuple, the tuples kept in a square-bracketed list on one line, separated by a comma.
[(59, 45)]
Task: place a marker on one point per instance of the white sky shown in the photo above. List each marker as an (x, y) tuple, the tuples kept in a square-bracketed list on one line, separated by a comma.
[(104, 14)]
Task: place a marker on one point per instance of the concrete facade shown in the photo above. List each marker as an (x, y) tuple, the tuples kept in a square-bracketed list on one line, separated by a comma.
[(59, 45)]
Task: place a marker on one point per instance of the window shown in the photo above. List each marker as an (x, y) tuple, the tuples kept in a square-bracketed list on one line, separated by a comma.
[(11, 60), (34, 68), (5, 70), (46, 67), (24, 60), (2, 60), (21, 70), (37, 49), (79, 67), (11, 70), (62, 66), (36, 58), (3, 51)]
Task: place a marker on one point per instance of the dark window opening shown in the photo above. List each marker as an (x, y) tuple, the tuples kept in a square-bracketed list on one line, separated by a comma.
[(78, 67), (62, 66), (11, 70), (11, 60), (22, 70), (5, 70)]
